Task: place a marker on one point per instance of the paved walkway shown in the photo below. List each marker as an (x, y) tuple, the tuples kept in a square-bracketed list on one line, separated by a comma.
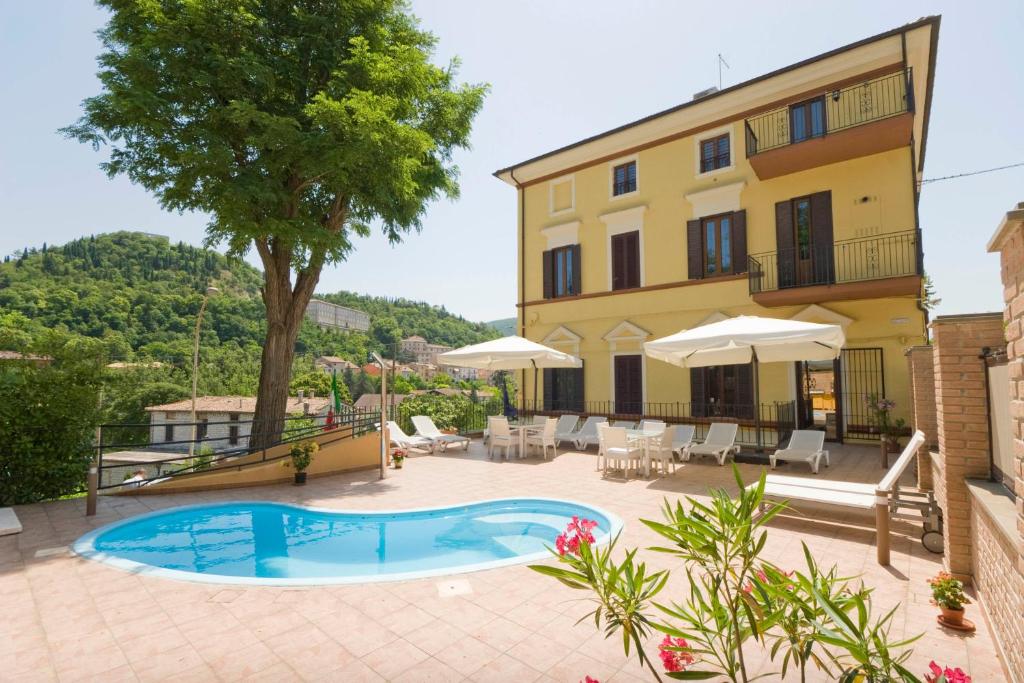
[(67, 619)]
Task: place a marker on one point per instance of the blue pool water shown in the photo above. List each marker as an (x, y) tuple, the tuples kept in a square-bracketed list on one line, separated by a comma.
[(273, 543)]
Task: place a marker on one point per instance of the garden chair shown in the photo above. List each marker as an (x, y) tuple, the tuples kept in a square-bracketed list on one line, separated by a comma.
[(805, 444), (425, 427), (652, 426), (544, 439), (620, 452), (501, 437), (399, 438), (683, 439), (660, 451), (565, 430), (587, 436), (720, 443)]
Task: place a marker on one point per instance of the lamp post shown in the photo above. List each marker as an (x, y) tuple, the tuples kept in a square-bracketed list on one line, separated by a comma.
[(385, 438), (210, 291)]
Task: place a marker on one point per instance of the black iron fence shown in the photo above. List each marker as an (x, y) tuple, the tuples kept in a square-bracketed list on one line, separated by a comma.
[(129, 455), (831, 111), (468, 419), (867, 258), (771, 424)]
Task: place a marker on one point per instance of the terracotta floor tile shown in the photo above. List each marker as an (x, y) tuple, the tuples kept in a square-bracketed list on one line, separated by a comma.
[(395, 658), (468, 655)]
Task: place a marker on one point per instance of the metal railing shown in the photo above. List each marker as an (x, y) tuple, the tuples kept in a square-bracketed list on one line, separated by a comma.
[(873, 100), (470, 419), (775, 421), (132, 450), (896, 254)]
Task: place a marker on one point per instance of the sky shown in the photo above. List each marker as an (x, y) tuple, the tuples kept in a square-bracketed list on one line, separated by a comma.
[(558, 71)]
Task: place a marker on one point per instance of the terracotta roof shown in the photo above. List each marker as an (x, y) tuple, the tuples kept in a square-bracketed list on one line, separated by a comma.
[(415, 337), (337, 360), (239, 404), (367, 401)]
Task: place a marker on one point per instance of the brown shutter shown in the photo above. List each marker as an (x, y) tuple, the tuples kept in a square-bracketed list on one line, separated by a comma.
[(549, 389), (697, 396), (745, 392), (577, 270), (821, 237), (694, 252), (578, 395), (739, 241), (631, 247), (549, 285), (784, 248), (616, 247)]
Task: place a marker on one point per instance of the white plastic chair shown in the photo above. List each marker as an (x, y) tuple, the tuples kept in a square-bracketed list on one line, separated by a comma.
[(566, 429), (805, 444), (720, 443), (501, 437), (403, 440), (620, 452), (652, 426), (587, 436), (660, 451), (602, 427), (683, 439), (544, 439), (624, 424), (425, 427)]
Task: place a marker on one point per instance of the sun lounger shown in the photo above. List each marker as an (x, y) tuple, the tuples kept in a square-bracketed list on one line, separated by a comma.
[(587, 436), (402, 440), (884, 497), (683, 439), (565, 430), (425, 427), (720, 443), (805, 444)]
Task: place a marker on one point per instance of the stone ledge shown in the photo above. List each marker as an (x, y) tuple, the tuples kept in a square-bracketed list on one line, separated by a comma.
[(998, 505), (9, 523)]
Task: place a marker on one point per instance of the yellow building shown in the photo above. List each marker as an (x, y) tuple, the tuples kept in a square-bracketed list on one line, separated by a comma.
[(792, 195)]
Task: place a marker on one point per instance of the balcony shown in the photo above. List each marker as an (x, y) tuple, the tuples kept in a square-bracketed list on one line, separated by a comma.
[(873, 116), (863, 268)]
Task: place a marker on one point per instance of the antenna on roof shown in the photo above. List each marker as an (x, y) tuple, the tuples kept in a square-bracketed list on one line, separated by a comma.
[(721, 61)]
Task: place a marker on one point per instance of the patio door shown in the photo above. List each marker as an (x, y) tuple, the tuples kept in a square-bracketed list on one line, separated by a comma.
[(816, 396), (629, 384), (861, 375), (803, 235)]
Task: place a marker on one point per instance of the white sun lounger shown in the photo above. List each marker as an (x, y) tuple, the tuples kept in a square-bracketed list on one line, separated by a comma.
[(885, 496), (402, 440), (425, 427), (805, 444), (587, 436), (683, 439), (720, 443), (565, 430)]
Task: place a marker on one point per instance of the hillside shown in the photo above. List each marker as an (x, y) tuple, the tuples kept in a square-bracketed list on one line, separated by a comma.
[(504, 327), (140, 294)]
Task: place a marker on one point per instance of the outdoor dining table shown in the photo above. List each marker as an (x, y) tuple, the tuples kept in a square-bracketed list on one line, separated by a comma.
[(522, 431), (645, 437)]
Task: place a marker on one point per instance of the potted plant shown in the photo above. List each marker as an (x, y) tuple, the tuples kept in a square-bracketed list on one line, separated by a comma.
[(398, 457), (302, 455), (948, 594), (889, 429)]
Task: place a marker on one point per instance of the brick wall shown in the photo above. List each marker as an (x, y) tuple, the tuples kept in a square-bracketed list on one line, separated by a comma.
[(1000, 585), (962, 422), (921, 362)]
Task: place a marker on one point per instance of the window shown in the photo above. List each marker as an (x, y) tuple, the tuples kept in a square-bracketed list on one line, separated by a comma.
[(624, 178), (807, 120), (629, 384), (722, 391), (201, 429), (625, 248), (714, 153), (717, 241), (168, 432), (562, 271), (233, 435), (563, 389)]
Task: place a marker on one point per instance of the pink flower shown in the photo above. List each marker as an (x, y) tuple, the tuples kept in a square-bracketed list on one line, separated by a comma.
[(671, 657), (588, 679), (939, 675), (577, 531)]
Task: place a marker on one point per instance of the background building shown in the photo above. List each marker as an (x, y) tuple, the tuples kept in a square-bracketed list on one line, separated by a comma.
[(333, 316)]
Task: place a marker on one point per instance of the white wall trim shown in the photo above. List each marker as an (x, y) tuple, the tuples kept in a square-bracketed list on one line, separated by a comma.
[(816, 313), (611, 177), (715, 317), (562, 235), (563, 337), (571, 178), (625, 220), (626, 331), (643, 373), (716, 200), (697, 139)]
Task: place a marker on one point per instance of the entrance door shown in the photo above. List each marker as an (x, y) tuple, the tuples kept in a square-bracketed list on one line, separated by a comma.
[(816, 396), (861, 375), (629, 385), (803, 233)]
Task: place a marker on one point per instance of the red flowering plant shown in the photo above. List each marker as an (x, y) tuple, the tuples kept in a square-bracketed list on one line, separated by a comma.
[(938, 674), (805, 618), (578, 531)]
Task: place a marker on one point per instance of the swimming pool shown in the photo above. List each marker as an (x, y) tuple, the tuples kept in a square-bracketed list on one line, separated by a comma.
[(278, 544)]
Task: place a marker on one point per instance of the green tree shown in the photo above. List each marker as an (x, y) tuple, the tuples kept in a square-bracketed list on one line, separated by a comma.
[(293, 125), (318, 382), (441, 380)]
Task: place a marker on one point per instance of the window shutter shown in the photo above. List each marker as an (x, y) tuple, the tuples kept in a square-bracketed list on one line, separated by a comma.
[(577, 270), (745, 391), (785, 249), (694, 252), (821, 237), (697, 396), (549, 285), (577, 397), (739, 241), (549, 389)]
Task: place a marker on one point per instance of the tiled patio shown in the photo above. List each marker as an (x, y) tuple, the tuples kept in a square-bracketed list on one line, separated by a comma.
[(67, 619)]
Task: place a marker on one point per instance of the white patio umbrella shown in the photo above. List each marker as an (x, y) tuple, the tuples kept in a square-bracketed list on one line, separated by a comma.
[(749, 339), (509, 353)]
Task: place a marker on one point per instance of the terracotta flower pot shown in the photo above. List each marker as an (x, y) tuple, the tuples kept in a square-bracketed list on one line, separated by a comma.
[(954, 617), (300, 478), (398, 463)]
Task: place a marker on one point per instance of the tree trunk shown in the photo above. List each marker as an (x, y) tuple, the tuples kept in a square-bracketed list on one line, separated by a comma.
[(285, 308)]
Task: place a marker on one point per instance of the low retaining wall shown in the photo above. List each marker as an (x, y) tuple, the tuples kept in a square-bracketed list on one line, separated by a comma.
[(338, 453)]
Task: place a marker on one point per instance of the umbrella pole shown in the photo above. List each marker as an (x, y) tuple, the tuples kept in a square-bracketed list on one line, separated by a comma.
[(757, 402), (534, 363)]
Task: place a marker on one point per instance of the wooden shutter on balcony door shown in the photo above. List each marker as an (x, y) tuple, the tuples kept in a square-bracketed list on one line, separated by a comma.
[(821, 237), (549, 389), (694, 252), (745, 391), (578, 395), (784, 247), (577, 270), (549, 285), (698, 395), (739, 241)]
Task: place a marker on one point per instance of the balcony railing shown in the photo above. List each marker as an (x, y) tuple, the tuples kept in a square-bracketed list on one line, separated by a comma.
[(896, 254), (832, 111)]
